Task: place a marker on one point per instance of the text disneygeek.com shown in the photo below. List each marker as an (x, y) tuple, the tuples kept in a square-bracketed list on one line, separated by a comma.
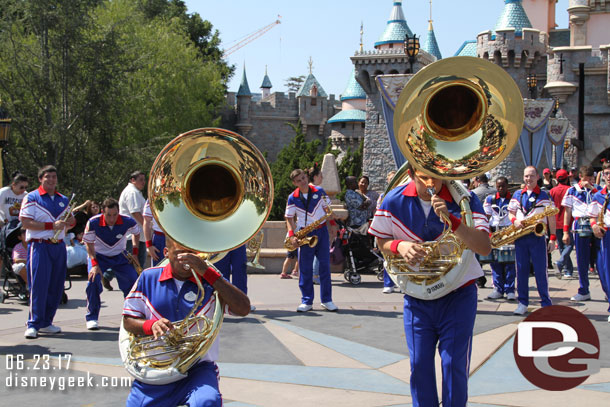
[(49, 372)]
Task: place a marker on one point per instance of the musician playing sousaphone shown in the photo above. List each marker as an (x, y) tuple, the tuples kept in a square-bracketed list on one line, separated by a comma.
[(409, 215), (310, 206), (165, 294), (526, 203), (599, 213), (576, 201)]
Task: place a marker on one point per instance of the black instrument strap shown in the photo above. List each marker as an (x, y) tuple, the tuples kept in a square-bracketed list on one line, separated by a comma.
[(535, 196), (306, 203)]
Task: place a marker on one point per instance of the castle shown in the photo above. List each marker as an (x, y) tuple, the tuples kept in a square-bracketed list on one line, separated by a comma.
[(524, 41)]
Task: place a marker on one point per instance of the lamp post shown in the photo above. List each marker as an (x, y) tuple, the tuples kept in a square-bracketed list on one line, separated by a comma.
[(555, 107), (411, 49), (5, 127), (532, 81)]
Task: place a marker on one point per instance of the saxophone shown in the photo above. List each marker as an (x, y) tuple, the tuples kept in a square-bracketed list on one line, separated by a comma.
[(600, 217), (301, 235), (532, 224)]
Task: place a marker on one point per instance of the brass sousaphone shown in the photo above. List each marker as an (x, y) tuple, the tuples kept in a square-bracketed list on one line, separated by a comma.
[(210, 190), (455, 119)]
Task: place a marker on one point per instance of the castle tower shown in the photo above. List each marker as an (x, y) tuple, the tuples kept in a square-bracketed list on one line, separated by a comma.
[(244, 97), (541, 14), (266, 85), (430, 45), (314, 106), (347, 126), (395, 31)]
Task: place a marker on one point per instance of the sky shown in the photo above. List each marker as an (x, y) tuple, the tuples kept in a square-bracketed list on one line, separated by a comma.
[(329, 32)]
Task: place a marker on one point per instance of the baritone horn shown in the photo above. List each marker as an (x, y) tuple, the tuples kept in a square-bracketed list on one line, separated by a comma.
[(455, 119), (210, 190)]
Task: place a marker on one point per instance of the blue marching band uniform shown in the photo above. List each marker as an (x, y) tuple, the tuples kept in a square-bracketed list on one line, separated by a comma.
[(578, 199), (447, 321), (531, 249), (46, 262), (594, 209), (308, 210), (110, 243), (158, 295), (503, 273), (158, 237)]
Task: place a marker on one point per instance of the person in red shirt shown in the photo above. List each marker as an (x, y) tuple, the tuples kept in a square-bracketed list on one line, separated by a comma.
[(564, 264)]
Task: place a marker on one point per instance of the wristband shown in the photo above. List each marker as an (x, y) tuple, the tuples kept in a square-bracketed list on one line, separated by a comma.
[(290, 233), (147, 327), (566, 228), (149, 243), (135, 251), (553, 237), (94, 262), (394, 246), (48, 226), (592, 222), (455, 222), (211, 275)]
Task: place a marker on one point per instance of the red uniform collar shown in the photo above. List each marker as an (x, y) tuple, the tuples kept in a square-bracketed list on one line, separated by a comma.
[(444, 193), (167, 274), (119, 220), (42, 191), (536, 190), (604, 190), (297, 192), (508, 195)]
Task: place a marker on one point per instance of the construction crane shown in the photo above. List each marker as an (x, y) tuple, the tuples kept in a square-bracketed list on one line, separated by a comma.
[(251, 37)]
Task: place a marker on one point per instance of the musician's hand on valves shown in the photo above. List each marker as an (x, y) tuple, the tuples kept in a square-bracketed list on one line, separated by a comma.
[(294, 242), (95, 270), (412, 252), (59, 224), (517, 223), (598, 231), (161, 326)]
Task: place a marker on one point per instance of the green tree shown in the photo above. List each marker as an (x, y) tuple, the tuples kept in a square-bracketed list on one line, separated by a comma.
[(350, 165), (293, 84), (297, 154)]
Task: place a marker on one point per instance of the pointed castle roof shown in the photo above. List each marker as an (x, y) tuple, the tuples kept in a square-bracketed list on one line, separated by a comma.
[(244, 89), (513, 16), (468, 49), (397, 29), (308, 84), (353, 90), (430, 44), (266, 81)]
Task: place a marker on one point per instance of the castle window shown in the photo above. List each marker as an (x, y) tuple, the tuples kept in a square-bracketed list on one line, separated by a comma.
[(391, 45), (343, 125), (362, 125), (314, 101)]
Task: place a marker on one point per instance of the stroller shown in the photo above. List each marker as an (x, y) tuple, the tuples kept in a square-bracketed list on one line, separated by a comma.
[(360, 255), (13, 285)]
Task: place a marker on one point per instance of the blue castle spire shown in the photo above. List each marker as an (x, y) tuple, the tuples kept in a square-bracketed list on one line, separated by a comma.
[(513, 16), (353, 90), (397, 29), (266, 81), (244, 89)]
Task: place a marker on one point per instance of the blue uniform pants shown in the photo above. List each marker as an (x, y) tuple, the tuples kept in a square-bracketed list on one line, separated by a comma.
[(532, 249), (234, 269), (583, 259), (603, 263), (158, 241), (46, 267), (125, 274), (306, 255), (448, 322), (504, 277), (199, 388)]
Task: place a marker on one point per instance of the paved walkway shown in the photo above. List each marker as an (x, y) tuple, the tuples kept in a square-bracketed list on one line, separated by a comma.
[(276, 357)]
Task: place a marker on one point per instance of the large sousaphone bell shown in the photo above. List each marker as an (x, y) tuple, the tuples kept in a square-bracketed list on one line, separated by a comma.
[(455, 119), (210, 190)]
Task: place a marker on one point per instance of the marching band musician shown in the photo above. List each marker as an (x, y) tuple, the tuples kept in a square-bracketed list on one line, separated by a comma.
[(42, 214), (307, 203), (408, 216), (496, 209), (576, 201), (598, 204), (106, 240), (164, 294), (525, 203), (153, 235)]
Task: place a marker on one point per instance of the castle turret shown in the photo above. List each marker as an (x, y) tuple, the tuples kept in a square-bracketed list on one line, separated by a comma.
[(244, 97), (348, 125), (395, 31), (430, 45), (266, 85), (314, 106), (513, 16)]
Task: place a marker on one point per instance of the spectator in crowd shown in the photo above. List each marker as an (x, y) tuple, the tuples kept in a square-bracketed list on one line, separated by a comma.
[(42, 214), (547, 179), (357, 204), (76, 252), (233, 268), (153, 235), (482, 189), (388, 285), (20, 256), (564, 264), (290, 263), (83, 213), (573, 176), (304, 206), (373, 196), (11, 197)]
